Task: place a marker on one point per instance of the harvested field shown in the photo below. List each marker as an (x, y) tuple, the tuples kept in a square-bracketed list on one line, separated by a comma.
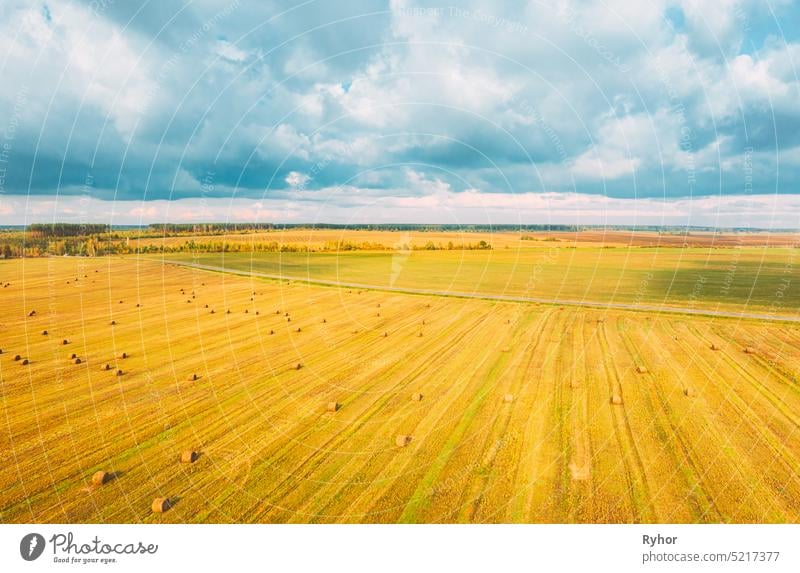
[(529, 434)]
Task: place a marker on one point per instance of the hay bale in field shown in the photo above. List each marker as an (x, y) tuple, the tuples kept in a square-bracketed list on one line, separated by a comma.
[(17, 358), (277, 312), (1, 350), (120, 302), (212, 311), (616, 399), (113, 323), (286, 314), (123, 355), (333, 406), (32, 313), (77, 361), (73, 356), (44, 333), (100, 477), (416, 397), (419, 335), (508, 398), (119, 372), (402, 440), (715, 346), (324, 320), (385, 334), (138, 305), (160, 505), (228, 311), (189, 456), (106, 367), (206, 306), (25, 362), (377, 314), (299, 366), (247, 311), (64, 342), (298, 329), (257, 313), (289, 319), (688, 392), (641, 369), (193, 377), (749, 350)]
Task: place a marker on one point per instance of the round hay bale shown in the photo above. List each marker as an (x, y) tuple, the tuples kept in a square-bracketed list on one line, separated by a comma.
[(1, 350), (641, 369), (257, 313), (189, 456), (616, 399), (289, 319), (212, 311), (298, 329), (402, 441), (714, 346), (423, 321), (385, 334), (377, 314), (272, 332), (73, 356), (17, 357), (416, 397), (44, 333), (77, 361), (206, 306), (138, 305), (324, 320), (65, 342), (119, 372), (100, 477), (113, 322), (419, 335), (160, 505), (123, 355), (246, 311), (277, 312), (25, 362), (193, 377), (749, 350), (333, 406), (32, 313), (508, 398), (299, 366), (688, 392), (106, 367), (120, 302), (286, 314)]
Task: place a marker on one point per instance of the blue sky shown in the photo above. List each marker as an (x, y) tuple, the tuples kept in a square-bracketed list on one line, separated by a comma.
[(654, 112)]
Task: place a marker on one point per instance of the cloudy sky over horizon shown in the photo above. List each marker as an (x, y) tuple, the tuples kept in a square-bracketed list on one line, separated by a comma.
[(655, 112)]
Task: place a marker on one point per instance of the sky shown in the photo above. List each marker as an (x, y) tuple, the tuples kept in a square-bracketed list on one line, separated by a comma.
[(671, 112)]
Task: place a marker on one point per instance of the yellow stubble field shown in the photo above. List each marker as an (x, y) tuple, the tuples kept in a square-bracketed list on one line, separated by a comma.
[(516, 422)]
